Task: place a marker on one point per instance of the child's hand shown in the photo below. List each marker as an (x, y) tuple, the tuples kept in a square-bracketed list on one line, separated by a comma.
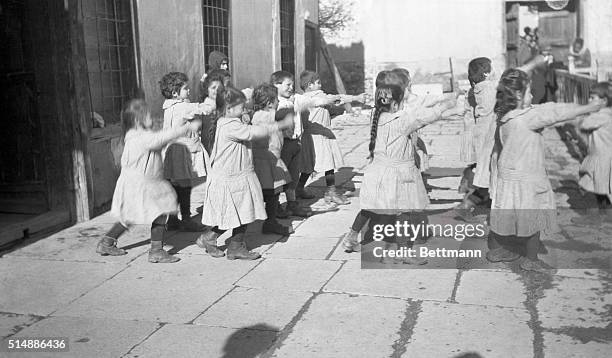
[(206, 108), (285, 123), (449, 103), (194, 125)]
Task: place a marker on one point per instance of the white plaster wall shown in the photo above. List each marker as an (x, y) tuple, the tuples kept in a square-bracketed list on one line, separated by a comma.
[(597, 16)]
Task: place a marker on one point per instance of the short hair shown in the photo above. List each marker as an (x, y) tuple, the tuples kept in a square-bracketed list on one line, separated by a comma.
[(307, 78), (214, 76), (172, 83), (603, 90), (477, 69), (279, 76), (263, 95), (579, 40), (283, 113), (134, 113), (527, 30)]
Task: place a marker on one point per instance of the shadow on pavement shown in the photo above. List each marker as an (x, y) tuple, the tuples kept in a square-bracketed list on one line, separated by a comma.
[(250, 342)]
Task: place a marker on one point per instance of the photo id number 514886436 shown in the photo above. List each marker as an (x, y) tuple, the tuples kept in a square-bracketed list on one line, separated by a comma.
[(35, 344)]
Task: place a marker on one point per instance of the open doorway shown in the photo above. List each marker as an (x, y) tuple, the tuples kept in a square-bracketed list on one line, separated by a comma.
[(551, 26)]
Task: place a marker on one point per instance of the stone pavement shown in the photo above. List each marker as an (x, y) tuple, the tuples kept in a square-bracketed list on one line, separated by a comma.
[(306, 297)]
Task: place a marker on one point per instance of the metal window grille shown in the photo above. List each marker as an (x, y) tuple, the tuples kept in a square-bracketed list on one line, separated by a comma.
[(311, 46), (110, 55), (287, 25), (216, 26)]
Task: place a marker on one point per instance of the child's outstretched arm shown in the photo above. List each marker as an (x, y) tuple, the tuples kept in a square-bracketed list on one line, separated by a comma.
[(595, 121), (419, 118), (321, 100), (157, 140), (550, 114), (347, 98), (241, 132)]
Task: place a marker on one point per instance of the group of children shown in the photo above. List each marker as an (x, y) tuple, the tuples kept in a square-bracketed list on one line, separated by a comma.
[(228, 156), (505, 144), (272, 141)]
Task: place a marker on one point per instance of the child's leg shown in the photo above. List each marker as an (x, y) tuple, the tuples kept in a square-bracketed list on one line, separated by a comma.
[(497, 252), (332, 196), (408, 242), (237, 248), (531, 262), (271, 225), (290, 155), (602, 201), (300, 191), (350, 241), (184, 199), (108, 244), (208, 241), (157, 254)]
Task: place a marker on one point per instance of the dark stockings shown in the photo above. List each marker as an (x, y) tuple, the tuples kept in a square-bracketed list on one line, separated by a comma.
[(602, 201), (330, 178), (303, 179), (184, 199), (533, 246), (116, 231), (271, 201)]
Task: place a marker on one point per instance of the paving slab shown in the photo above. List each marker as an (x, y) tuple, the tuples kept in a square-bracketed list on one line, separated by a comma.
[(448, 330), (342, 325), (11, 323), (331, 224), (290, 275), (78, 243), (426, 284), (563, 346), (41, 287), (491, 288), (244, 307), (175, 293), (302, 248), (196, 341), (574, 302), (106, 337)]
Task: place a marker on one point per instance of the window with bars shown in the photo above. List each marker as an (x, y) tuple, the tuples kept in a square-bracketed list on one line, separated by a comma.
[(287, 25), (311, 46), (111, 56), (215, 15)]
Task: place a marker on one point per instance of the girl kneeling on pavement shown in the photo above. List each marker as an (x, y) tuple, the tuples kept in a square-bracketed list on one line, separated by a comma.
[(142, 195), (234, 197)]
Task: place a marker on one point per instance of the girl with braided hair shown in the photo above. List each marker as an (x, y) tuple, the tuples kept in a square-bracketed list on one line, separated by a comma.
[(523, 202), (392, 183), (234, 196)]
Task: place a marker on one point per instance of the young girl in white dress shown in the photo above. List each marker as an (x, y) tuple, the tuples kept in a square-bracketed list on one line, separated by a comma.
[(142, 195), (269, 167), (392, 184), (596, 169), (523, 201), (317, 125), (233, 194), (185, 159)]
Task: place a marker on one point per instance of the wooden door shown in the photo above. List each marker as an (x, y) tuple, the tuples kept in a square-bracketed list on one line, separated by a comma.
[(557, 29), (22, 170), (512, 34)]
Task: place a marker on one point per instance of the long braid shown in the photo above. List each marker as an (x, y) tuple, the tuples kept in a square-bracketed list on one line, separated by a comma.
[(374, 131), (383, 99)]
